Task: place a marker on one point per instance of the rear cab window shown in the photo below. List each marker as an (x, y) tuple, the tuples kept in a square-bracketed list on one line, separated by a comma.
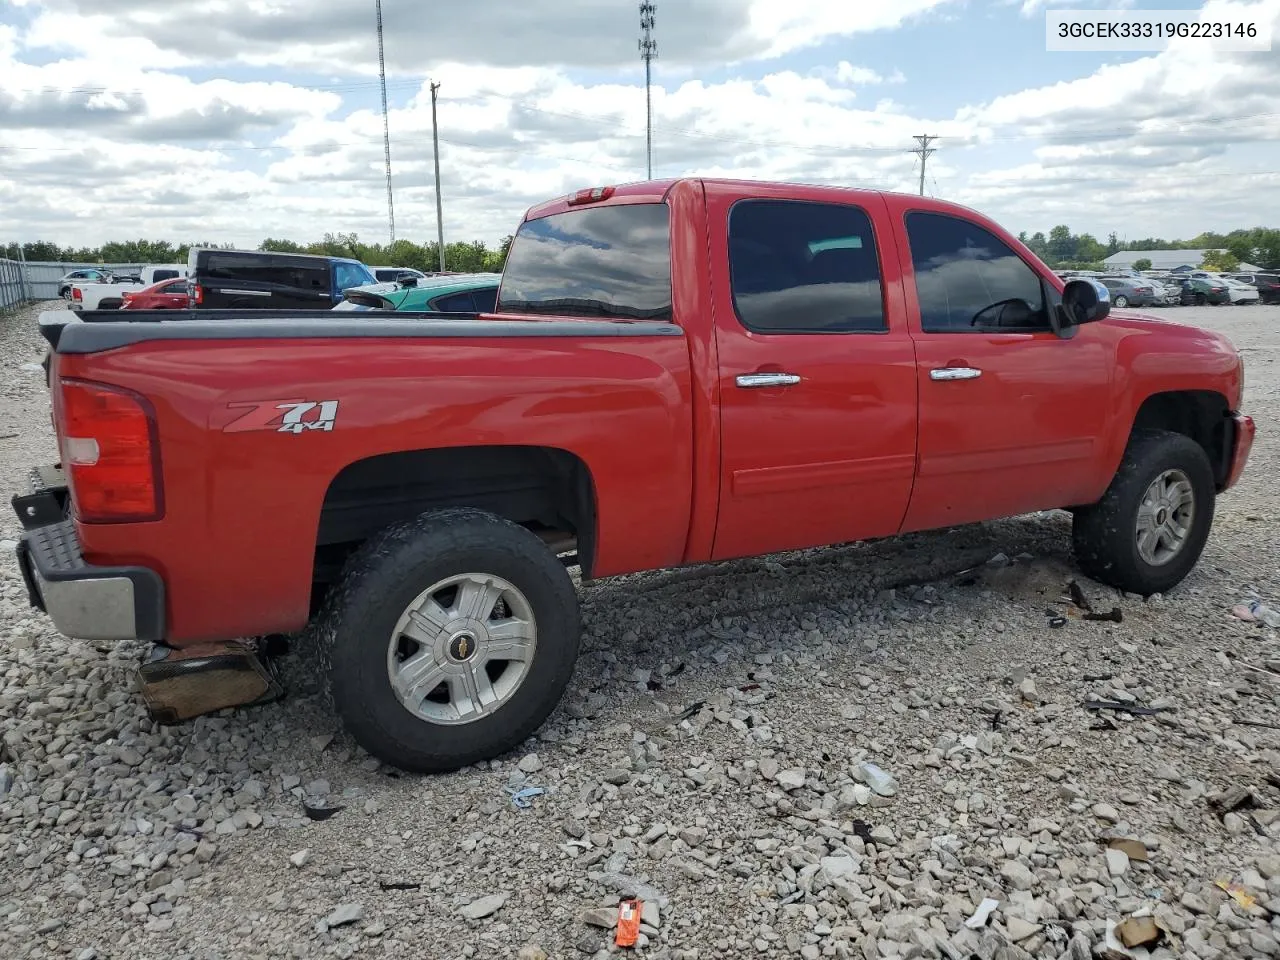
[(267, 270), (603, 262), (799, 266)]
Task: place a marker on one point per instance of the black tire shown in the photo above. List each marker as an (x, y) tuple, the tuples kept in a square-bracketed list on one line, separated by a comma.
[(1200, 299), (64, 292), (1121, 301), (1105, 535), (379, 583)]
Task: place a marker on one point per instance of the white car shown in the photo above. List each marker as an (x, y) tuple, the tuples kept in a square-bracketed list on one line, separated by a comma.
[(1239, 291), (392, 274), (110, 296), (87, 275)]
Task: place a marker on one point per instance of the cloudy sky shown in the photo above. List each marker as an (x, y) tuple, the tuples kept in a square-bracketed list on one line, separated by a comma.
[(235, 120)]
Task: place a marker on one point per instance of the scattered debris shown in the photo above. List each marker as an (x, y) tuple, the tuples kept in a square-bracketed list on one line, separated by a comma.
[(1057, 622), (1237, 892), (1133, 849), (1256, 611), (982, 914), (522, 797), (320, 811), (300, 858), (1078, 597), (629, 912), (1136, 709), (1138, 931), (1115, 616), (691, 711), (862, 830), (531, 951), (399, 885)]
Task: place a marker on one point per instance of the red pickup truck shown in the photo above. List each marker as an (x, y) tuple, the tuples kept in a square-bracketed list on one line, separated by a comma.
[(676, 372)]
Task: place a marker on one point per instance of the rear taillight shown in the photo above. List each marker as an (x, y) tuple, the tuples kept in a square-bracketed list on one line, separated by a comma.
[(110, 453), (197, 293), (76, 294)]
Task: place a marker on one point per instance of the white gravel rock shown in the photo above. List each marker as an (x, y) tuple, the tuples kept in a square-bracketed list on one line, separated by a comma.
[(756, 826)]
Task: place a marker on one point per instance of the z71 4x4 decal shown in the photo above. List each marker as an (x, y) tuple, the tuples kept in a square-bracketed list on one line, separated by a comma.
[(284, 416)]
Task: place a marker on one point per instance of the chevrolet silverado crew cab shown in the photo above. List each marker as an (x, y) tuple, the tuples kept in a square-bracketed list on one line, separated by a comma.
[(676, 372)]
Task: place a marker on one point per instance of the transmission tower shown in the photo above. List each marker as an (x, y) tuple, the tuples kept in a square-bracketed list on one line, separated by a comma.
[(924, 153), (648, 53), (386, 127)]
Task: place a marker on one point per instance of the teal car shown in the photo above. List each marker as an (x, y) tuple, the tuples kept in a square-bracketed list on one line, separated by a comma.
[(450, 293)]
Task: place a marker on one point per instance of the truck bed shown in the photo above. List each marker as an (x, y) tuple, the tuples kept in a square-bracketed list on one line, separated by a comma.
[(403, 390)]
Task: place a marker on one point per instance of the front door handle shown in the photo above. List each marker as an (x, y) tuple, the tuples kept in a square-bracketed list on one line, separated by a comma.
[(750, 380), (955, 373)]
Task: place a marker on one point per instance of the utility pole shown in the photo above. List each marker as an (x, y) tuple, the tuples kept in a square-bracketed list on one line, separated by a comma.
[(435, 138), (648, 53), (924, 153), (386, 128)]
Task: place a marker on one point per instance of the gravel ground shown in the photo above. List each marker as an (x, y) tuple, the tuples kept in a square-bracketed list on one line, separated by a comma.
[(751, 822)]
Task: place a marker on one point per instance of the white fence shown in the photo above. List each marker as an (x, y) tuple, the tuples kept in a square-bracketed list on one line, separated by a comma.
[(38, 279)]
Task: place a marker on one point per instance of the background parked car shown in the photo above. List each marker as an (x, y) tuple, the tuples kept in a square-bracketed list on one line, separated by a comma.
[(1198, 291), (110, 293), (1240, 292), (457, 293), (1267, 284), (83, 276), (1129, 291), (258, 280), (392, 274), (165, 295)]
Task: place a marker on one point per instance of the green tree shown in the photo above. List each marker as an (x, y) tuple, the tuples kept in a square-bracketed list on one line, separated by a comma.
[(1142, 263), (1087, 248), (280, 246), (1062, 245), (1220, 261), (1113, 243)]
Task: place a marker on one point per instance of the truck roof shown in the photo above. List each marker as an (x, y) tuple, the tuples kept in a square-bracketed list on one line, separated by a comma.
[(655, 191)]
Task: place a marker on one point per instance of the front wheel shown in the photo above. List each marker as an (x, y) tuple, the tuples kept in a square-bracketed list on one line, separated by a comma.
[(450, 638), (1200, 299), (1150, 527)]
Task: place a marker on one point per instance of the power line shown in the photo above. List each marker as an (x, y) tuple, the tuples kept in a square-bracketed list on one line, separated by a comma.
[(648, 53), (924, 153)]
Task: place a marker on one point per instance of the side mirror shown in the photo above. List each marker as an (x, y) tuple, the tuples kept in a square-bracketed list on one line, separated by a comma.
[(408, 280), (1083, 301)]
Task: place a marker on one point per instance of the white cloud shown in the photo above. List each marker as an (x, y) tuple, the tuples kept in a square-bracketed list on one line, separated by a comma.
[(113, 140)]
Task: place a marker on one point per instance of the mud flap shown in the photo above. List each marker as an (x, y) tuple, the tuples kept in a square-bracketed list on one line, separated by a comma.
[(180, 684)]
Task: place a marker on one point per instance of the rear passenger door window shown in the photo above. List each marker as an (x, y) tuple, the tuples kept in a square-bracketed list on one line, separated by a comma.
[(970, 281), (802, 267)]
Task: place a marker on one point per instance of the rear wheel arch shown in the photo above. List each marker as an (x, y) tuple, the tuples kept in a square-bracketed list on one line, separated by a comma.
[(548, 490)]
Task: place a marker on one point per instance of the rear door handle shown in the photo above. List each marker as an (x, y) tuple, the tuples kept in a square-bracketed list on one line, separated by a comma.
[(754, 380), (955, 373)]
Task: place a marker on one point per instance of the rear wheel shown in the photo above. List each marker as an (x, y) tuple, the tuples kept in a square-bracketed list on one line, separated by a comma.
[(1150, 527), (1121, 301), (451, 638)]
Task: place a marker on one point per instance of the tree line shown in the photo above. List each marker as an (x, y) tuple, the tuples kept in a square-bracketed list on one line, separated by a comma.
[(473, 256), (1064, 250), (1061, 249)]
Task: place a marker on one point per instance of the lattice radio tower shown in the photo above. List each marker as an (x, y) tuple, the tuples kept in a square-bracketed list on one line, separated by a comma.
[(648, 53), (386, 127)]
